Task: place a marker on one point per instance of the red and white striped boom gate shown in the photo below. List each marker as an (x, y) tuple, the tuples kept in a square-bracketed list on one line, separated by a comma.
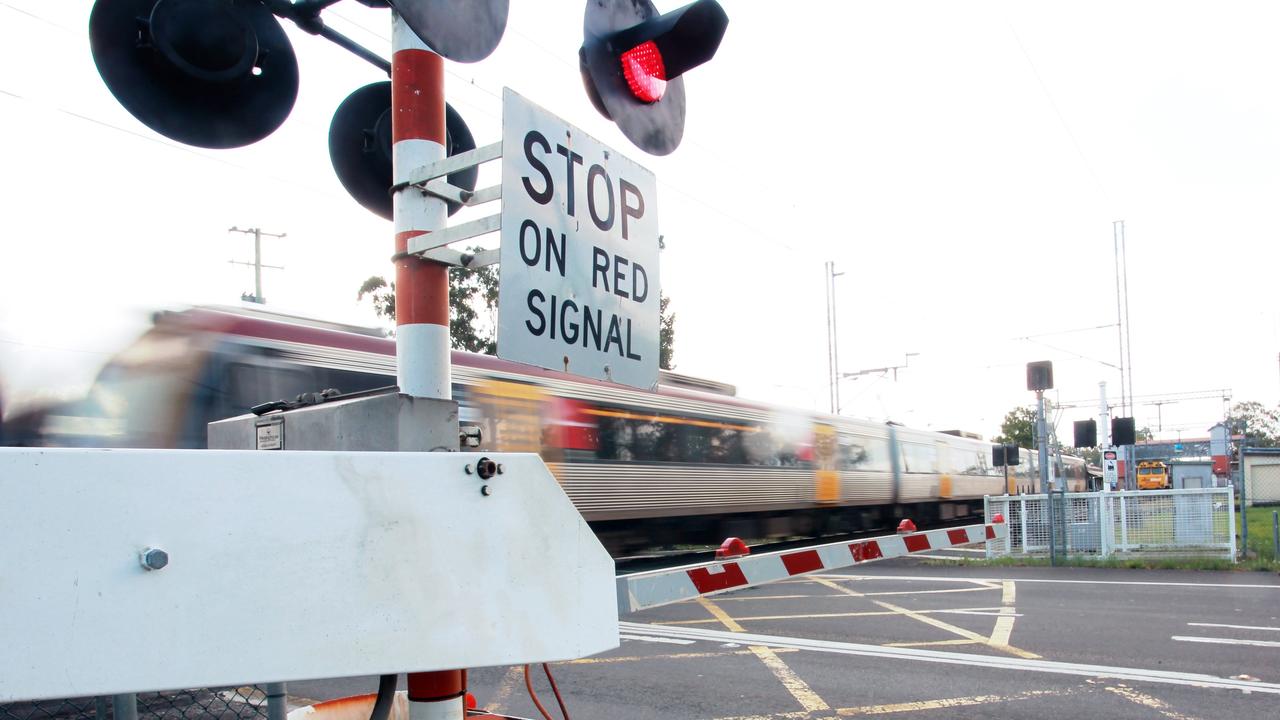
[(640, 591)]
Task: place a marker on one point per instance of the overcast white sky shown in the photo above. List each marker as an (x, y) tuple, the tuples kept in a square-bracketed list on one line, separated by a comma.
[(961, 162)]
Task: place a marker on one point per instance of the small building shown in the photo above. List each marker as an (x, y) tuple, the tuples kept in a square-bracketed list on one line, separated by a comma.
[(1187, 473), (1262, 476)]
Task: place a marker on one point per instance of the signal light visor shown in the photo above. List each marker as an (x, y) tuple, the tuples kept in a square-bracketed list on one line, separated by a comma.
[(645, 72)]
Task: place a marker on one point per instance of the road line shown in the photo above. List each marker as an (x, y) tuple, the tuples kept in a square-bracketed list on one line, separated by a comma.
[(1225, 641), (672, 641), (672, 656), (1004, 624), (927, 592), (1139, 698), (509, 681), (860, 613), (957, 641), (951, 703), (1046, 580), (954, 630), (1236, 627), (799, 689), (969, 659)]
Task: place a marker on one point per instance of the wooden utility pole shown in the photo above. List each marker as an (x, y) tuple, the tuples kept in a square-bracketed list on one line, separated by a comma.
[(257, 234)]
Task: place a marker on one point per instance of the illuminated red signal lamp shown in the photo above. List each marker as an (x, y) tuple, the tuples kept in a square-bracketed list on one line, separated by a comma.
[(633, 58), (645, 73)]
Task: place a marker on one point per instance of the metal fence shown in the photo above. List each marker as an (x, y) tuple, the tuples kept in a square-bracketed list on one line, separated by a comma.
[(1197, 522), (224, 703)]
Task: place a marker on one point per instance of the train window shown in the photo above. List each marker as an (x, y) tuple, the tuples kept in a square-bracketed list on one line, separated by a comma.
[(725, 446), (920, 458), (858, 452), (255, 384)]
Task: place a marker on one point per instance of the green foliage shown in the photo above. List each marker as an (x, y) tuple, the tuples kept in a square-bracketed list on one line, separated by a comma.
[(471, 291), (666, 334), (1260, 424), (1018, 428)]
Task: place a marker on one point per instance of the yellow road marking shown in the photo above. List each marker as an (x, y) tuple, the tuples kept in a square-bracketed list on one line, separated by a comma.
[(798, 688), (672, 656), (509, 681), (933, 621), (949, 703), (860, 613), (928, 592), (1004, 623), (1139, 698), (894, 708), (957, 641), (722, 598)]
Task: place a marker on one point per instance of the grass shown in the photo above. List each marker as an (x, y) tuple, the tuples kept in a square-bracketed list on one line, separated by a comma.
[(1261, 543)]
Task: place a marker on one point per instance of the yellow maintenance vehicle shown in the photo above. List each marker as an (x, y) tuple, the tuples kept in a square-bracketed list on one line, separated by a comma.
[(1153, 475)]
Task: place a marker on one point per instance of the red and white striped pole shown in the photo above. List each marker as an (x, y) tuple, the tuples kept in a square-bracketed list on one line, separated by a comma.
[(422, 287)]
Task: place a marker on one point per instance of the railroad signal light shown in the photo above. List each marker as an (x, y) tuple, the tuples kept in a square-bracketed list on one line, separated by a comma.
[(1123, 432), (1002, 455), (1086, 432), (211, 73), (633, 60), (1040, 375), (360, 147)]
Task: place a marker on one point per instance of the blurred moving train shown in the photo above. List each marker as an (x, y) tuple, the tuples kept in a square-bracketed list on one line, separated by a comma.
[(688, 462)]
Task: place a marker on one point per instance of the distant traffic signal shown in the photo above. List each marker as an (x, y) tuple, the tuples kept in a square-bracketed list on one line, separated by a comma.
[(632, 60), (1086, 433), (1122, 431), (1002, 455), (1040, 375)]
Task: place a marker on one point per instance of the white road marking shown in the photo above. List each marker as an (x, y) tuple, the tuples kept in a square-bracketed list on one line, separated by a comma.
[(955, 658), (1030, 580), (673, 641), (1225, 641), (1236, 627)]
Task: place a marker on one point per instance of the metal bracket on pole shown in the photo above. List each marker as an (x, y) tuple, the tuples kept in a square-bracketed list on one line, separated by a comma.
[(430, 179)]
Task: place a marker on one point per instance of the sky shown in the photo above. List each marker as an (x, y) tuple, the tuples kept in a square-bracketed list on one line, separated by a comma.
[(963, 164)]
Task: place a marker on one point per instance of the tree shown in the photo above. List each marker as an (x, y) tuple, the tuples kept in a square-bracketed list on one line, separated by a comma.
[(666, 334), (471, 291), (1018, 428), (1261, 425)]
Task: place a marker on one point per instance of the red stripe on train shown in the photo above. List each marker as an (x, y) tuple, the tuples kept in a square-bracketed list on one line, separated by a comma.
[(706, 581), (801, 562)]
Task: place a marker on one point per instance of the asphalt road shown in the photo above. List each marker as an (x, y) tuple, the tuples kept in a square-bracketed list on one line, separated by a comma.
[(907, 639)]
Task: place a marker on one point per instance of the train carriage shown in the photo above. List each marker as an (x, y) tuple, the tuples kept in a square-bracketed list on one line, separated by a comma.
[(687, 462)]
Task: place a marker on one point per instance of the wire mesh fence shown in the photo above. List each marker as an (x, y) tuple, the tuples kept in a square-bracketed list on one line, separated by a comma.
[(229, 703), (1197, 522)]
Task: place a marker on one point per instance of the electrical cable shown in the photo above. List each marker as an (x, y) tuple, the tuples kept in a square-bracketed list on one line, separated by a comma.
[(528, 684), (386, 697), (563, 710)]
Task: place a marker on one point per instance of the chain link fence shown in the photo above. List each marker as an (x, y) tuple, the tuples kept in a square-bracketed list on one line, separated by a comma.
[(230, 703), (1197, 522)]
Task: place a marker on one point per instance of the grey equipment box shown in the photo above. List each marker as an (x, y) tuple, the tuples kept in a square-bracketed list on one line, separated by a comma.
[(387, 421)]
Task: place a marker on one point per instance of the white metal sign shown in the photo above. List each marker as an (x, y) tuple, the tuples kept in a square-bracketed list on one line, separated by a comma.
[(579, 282), (1110, 472)]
